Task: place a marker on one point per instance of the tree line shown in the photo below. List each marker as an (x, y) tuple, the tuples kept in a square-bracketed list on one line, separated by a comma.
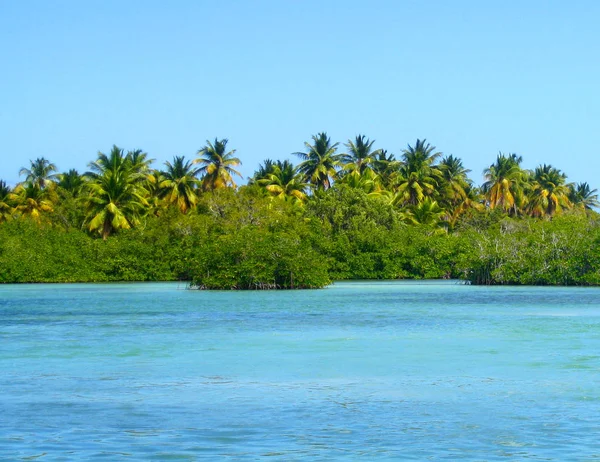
[(342, 212)]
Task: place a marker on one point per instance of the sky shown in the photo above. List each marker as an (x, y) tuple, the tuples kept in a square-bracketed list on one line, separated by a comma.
[(473, 78)]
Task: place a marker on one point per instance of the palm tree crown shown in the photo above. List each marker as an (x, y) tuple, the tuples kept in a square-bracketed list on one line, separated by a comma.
[(386, 166), (285, 182), (264, 170), (454, 179), (41, 172), (71, 181), (116, 193), (417, 176), (179, 184), (319, 164), (139, 160), (30, 200), (360, 155), (504, 183), (582, 196), (217, 165), (426, 213), (5, 208), (549, 191), (4, 190)]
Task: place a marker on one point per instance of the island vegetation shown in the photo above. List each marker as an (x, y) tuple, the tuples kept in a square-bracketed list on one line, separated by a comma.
[(348, 211)]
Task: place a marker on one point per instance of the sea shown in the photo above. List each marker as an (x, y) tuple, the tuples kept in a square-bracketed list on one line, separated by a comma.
[(362, 370)]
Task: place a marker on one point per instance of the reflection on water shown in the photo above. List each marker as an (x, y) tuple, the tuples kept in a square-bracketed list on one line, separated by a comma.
[(397, 371)]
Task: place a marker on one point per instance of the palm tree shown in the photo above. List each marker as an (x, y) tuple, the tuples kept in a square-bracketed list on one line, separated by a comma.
[(41, 173), (426, 213), (116, 194), (115, 161), (319, 164), (285, 182), (549, 191), (457, 194), (154, 192), (386, 166), (472, 200), (264, 170), (217, 165), (360, 155), (418, 177), (454, 179), (5, 209), (179, 184), (139, 161), (504, 183), (582, 196), (368, 181), (71, 181), (32, 201)]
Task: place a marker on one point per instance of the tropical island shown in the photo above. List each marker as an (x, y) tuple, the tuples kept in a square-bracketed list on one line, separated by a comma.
[(345, 211)]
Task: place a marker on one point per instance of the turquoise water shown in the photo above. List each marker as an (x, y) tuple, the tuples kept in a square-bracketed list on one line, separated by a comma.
[(358, 371)]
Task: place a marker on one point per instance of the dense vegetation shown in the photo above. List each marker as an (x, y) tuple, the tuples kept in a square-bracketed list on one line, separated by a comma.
[(341, 213)]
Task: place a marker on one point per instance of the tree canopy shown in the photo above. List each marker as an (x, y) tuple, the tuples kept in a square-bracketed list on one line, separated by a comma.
[(360, 213)]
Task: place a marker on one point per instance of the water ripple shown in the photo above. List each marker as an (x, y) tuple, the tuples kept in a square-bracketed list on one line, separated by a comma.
[(360, 371)]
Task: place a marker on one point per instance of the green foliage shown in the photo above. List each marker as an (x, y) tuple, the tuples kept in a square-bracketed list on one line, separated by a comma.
[(71, 182), (41, 174), (6, 211), (254, 243), (116, 197), (244, 240), (178, 184), (320, 162), (360, 155), (564, 251), (418, 176), (583, 197), (30, 252), (284, 182), (69, 211), (217, 165), (258, 258), (342, 207), (362, 214), (504, 183)]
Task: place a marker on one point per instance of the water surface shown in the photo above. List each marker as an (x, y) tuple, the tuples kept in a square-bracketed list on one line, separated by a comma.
[(357, 371)]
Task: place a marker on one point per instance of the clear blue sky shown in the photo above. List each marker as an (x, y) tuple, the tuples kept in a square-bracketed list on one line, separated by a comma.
[(473, 77)]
